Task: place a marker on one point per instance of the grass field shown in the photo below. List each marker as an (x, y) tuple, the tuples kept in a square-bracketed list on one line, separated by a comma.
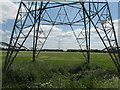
[(60, 70)]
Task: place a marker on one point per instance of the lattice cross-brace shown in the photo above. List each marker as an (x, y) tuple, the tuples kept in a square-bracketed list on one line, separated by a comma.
[(105, 29), (32, 16)]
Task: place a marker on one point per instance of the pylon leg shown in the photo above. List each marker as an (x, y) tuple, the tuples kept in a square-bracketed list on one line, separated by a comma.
[(30, 18)]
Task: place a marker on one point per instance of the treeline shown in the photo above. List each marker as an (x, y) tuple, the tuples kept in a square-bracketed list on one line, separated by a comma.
[(68, 50), (92, 50), (14, 49), (55, 50), (61, 50)]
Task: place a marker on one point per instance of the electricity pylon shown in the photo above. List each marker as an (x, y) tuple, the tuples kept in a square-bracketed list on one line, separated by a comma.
[(32, 16)]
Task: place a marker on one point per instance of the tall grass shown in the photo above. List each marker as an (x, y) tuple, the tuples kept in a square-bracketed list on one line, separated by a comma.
[(61, 70), (44, 75)]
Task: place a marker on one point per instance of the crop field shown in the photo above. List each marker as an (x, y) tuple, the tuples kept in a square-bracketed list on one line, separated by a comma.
[(60, 70)]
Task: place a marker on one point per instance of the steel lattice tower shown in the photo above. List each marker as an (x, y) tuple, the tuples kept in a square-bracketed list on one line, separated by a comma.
[(32, 15)]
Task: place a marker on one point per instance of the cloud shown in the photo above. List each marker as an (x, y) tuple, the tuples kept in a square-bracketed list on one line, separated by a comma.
[(7, 31), (3, 36), (67, 38), (8, 10), (2, 32)]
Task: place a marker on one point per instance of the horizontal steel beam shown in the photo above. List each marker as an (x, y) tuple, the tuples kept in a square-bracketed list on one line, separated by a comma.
[(86, 1)]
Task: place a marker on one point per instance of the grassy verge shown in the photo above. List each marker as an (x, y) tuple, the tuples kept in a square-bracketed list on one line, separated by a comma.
[(61, 70)]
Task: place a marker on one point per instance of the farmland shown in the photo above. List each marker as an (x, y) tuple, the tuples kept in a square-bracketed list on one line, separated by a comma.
[(60, 70)]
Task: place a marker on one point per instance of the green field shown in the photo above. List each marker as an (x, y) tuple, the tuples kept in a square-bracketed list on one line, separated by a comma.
[(60, 70)]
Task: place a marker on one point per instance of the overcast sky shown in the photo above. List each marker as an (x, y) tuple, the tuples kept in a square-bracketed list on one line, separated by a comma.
[(58, 35)]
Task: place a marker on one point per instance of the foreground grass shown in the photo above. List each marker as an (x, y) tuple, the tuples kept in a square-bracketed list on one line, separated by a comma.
[(61, 70)]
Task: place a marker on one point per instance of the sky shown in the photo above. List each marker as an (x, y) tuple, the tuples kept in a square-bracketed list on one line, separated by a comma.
[(60, 36)]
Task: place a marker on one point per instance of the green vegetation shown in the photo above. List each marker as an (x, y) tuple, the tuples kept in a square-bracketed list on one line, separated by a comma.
[(61, 70)]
